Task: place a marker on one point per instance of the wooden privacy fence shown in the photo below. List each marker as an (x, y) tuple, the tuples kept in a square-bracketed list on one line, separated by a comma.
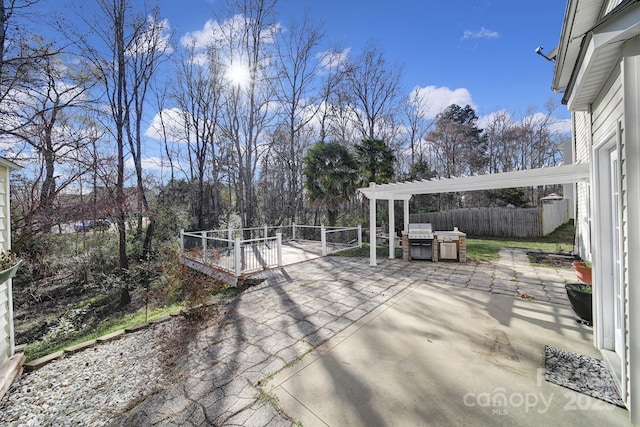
[(499, 222)]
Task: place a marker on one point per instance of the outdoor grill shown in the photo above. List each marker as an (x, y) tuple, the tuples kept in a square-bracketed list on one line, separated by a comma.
[(420, 241)]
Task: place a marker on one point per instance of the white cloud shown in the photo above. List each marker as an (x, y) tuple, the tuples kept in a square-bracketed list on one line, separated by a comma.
[(504, 116), (149, 163), (436, 99), (155, 37), (482, 33), (215, 33), (555, 125), (199, 39), (332, 58), (562, 126), (169, 123)]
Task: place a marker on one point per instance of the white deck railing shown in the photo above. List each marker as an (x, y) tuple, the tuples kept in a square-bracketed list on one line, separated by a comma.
[(228, 250)]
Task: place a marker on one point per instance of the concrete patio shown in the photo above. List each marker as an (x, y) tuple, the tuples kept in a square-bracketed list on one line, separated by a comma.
[(335, 342)]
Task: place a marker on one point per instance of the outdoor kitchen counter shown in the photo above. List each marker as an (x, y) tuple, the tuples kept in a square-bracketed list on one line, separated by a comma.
[(454, 236)]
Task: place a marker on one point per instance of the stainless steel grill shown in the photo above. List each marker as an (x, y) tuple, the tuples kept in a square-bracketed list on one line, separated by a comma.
[(420, 241), (420, 231)]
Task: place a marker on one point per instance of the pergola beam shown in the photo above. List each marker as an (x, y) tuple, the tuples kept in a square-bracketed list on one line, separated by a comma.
[(566, 174)]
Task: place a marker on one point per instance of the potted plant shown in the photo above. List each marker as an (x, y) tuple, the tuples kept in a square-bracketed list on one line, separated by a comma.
[(8, 265), (580, 297), (583, 271)]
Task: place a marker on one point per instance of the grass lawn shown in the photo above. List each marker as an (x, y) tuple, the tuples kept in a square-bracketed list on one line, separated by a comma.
[(487, 249)]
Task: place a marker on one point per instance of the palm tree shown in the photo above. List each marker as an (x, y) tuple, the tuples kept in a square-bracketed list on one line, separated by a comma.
[(376, 161), (331, 175)]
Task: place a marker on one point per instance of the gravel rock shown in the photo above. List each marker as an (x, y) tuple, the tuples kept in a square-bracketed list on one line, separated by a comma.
[(93, 386)]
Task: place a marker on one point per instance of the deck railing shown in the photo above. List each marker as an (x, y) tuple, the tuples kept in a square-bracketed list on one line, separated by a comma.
[(242, 251)]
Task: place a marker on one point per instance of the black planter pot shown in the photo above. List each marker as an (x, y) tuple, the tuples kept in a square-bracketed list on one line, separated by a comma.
[(581, 302)]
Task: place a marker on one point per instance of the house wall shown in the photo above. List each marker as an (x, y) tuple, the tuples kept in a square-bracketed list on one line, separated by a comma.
[(608, 117), (582, 132), (6, 308), (631, 217), (617, 109)]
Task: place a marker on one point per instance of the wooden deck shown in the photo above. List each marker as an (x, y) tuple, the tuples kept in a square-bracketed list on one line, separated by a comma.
[(293, 252)]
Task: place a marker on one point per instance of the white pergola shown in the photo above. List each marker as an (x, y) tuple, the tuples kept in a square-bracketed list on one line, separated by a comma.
[(565, 174)]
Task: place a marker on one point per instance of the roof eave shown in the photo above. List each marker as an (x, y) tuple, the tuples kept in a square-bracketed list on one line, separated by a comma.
[(9, 164), (597, 55)]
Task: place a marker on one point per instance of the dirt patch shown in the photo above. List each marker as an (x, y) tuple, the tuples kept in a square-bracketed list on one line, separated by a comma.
[(553, 259), (60, 308), (189, 327)]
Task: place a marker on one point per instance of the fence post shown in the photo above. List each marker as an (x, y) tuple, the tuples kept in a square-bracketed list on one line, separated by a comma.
[(359, 235), (181, 241), (293, 232), (323, 240), (230, 237), (237, 255), (204, 247), (266, 232), (279, 246)]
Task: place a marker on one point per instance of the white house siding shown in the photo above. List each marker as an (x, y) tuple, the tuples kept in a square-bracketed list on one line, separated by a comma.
[(610, 5), (608, 108), (608, 113), (6, 323), (582, 128), (631, 214)]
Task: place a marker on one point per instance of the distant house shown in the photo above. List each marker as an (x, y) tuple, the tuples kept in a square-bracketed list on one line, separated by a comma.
[(597, 66), (8, 364)]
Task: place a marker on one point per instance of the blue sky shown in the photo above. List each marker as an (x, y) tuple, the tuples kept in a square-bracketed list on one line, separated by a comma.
[(485, 48), (477, 52)]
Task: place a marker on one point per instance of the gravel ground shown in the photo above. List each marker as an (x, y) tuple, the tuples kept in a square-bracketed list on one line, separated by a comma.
[(91, 387)]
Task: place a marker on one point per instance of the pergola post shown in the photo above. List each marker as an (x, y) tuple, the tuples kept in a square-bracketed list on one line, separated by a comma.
[(392, 229), (372, 228), (406, 215)]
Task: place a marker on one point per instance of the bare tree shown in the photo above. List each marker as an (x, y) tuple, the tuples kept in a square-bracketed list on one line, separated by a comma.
[(47, 116), (161, 92), (198, 94), (333, 63), (20, 50), (501, 141), (374, 90), (297, 70), (416, 123), (145, 51), (124, 50), (248, 46)]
